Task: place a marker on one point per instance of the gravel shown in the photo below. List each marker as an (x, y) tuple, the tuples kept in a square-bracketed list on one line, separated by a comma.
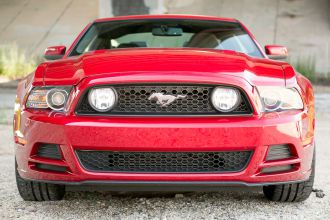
[(241, 203)]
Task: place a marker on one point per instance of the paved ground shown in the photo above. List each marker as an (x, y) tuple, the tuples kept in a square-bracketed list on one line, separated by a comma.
[(240, 204)]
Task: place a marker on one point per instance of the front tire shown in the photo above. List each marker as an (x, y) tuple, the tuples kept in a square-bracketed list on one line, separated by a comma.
[(294, 192), (35, 191)]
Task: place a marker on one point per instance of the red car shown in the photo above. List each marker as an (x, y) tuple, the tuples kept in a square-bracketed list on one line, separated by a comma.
[(165, 102)]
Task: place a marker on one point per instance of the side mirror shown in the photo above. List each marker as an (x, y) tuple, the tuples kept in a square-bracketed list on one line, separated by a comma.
[(54, 53), (276, 52)]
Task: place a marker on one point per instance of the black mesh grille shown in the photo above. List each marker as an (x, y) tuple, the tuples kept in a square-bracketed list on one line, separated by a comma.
[(134, 100), (109, 161)]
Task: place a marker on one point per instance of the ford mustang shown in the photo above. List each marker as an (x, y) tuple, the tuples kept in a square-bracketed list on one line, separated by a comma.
[(164, 103)]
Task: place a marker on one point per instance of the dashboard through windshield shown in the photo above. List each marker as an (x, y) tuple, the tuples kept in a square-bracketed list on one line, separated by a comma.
[(166, 33)]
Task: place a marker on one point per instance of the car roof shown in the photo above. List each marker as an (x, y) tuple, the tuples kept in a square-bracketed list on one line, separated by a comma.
[(172, 16)]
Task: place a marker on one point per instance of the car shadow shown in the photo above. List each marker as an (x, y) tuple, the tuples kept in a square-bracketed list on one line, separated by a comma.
[(235, 193)]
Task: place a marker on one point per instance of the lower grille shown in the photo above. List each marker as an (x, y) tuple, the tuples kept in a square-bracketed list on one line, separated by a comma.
[(164, 162)]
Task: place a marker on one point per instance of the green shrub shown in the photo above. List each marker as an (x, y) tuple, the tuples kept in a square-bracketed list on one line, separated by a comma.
[(306, 66), (14, 63)]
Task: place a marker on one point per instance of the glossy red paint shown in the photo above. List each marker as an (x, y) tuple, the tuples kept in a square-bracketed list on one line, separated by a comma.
[(201, 62), (156, 134), (168, 16), (124, 66), (54, 53), (276, 50)]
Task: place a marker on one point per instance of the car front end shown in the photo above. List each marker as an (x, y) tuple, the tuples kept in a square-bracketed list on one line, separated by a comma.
[(170, 119)]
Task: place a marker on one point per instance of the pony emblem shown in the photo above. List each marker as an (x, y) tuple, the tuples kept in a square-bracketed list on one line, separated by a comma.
[(164, 100)]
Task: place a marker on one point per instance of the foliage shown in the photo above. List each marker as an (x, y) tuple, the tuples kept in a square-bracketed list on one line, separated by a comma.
[(306, 66), (14, 63)]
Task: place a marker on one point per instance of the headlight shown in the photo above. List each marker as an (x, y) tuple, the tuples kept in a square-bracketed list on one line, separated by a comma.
[(102, 99), (225, 99), (48, 97), (276, 98)]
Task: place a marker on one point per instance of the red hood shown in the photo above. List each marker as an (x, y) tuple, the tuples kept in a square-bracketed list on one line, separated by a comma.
[(139, 61)]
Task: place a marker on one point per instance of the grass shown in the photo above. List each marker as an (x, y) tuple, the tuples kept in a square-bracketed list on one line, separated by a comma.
[(306, 66), (14, 63)]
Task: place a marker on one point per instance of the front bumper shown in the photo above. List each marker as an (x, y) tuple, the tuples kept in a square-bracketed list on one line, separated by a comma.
[(255, 133)]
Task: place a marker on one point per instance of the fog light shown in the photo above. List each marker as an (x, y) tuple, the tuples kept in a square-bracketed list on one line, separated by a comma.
[(102, 99), (225, 99)]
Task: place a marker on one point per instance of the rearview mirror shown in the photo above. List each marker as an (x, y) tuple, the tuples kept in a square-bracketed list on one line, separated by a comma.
[(276, 52), (54, 53), (164, 30)]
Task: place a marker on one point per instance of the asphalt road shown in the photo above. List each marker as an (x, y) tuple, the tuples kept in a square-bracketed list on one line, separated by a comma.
[(238, 204)]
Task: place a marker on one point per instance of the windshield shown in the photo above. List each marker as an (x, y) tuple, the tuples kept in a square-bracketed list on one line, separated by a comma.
[(166, 33)]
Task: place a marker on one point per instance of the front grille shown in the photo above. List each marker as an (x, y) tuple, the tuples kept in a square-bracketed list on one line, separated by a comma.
[(134, 100), (162, 162)]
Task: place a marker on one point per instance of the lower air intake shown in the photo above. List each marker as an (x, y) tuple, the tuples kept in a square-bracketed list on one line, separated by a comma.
[(47, 167), (50, 151), (164, 162), (278, 152)]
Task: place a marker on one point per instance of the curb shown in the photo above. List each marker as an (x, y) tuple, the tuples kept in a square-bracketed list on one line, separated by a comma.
[(321, 88), (9, 85)]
